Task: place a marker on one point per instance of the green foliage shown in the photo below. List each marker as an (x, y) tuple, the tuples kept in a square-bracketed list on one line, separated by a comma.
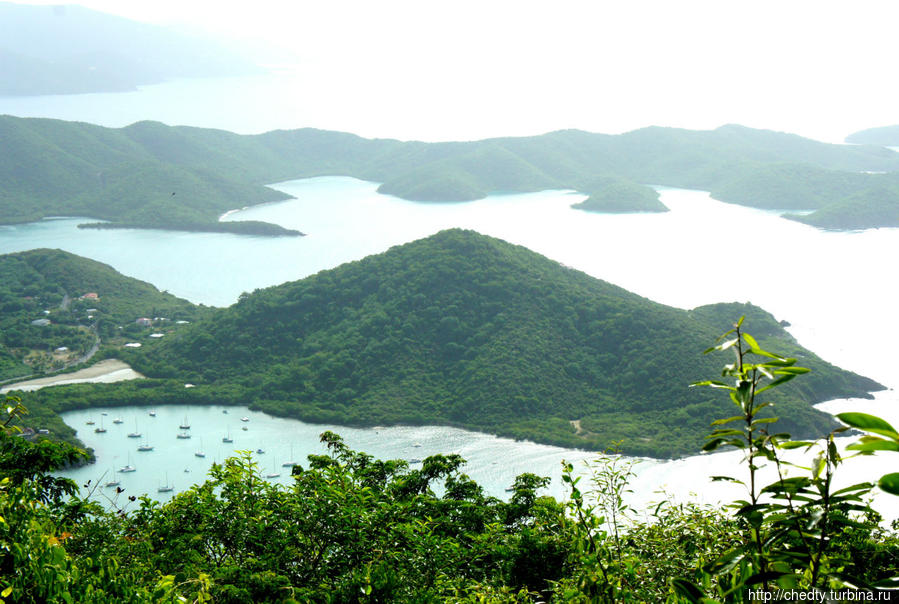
[(49, 284), (792, 528), (881, 437), (467, 330)]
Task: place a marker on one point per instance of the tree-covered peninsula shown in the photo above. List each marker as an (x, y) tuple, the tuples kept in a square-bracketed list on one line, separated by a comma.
[(465, 330), (156, 176)]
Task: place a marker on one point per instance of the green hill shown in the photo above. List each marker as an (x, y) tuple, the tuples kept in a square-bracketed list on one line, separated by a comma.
[(75, 301), (154, 176), (462, 329)]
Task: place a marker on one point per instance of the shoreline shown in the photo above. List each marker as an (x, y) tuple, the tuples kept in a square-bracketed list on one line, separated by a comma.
[(106, 371)]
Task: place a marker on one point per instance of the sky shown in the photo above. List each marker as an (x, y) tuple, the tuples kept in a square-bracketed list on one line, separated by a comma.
[(462, 69)]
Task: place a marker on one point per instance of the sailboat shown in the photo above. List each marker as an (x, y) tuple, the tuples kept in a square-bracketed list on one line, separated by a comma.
[(128, 467), (165, 488), (90, 422), (114, 482), (152, 414), (118, 420), (101, 429), (290, 463), (145, 446), (135, 434), (183, 435), (184, 425), (274, 473), (227, 438), (200, 452)]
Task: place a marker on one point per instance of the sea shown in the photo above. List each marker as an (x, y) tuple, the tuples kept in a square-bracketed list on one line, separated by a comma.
[(835, 290)]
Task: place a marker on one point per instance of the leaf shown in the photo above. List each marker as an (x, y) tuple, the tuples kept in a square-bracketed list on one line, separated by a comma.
[(688, 590), (869, 423), (725, 479), (889, 483), (795, 444), (727, 561), (879, 444), (723, 346), (891, 583), (711, 383), (862, 486)]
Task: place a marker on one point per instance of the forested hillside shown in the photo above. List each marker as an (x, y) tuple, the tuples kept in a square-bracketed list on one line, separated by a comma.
[(56, 306), (155, 176), (467, 330)]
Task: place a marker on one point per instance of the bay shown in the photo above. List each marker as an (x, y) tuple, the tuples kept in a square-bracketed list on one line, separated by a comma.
[(835, 288)]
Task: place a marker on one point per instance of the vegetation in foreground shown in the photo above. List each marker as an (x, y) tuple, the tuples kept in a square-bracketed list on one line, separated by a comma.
[(355, 529)]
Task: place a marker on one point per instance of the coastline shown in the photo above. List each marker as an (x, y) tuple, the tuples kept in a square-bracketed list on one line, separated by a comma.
[(106, 371)]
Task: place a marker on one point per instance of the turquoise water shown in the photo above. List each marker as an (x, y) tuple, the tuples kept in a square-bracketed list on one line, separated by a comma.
[(173, 460), (836, 289)]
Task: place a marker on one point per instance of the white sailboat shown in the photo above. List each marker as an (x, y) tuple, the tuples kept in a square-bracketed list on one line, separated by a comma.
[(114, 482), (199, 452), (289, 463), (165, 488), (128, 467)]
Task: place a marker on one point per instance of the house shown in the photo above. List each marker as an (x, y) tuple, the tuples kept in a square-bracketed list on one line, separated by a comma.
[(61, 350), (90, 296), (144, 321), (41, 322)]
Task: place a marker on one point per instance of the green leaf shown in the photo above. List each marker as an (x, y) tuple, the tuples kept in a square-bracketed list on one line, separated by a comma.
[(723, 346), (719, 422), (889, 483), (711, 383), (869, 423), (872, 445), (688, 591), (725, 479), (795, 444)]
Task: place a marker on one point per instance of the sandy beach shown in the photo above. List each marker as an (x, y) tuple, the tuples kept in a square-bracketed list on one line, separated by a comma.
[(106, 371)]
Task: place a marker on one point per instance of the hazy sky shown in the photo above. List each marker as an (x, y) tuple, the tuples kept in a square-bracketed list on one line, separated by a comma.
[(431, 69)]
